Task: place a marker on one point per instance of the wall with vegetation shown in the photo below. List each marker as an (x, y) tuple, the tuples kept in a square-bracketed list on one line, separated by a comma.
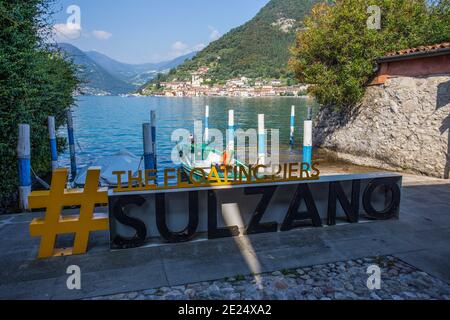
[(35, 82), (403, 125)]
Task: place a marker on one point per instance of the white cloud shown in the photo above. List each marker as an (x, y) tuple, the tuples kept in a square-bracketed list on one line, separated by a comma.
[(101, 35), (214, 34), (64, 31), (179, 48), (199, 47)]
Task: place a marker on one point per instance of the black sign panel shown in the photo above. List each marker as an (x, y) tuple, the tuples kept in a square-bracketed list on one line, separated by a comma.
[(174, 216)]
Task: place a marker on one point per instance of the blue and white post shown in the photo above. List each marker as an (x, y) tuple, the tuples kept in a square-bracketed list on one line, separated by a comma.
[(153, 131), (231, 136), (24, 164), (207, 125), (70, 132), (307, 140), (261, 140), (149, 156), (53, 146), (292, 139)]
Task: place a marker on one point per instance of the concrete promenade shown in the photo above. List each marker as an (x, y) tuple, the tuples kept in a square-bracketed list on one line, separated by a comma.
[(420, 238)]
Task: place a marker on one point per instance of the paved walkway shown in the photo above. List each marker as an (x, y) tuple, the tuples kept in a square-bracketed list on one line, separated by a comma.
[(420, 238)]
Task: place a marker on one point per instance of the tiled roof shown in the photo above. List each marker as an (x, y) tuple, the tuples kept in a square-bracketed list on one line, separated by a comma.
[(421, 49)]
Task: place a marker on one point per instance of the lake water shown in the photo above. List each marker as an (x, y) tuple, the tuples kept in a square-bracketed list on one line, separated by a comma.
[(107, 125)]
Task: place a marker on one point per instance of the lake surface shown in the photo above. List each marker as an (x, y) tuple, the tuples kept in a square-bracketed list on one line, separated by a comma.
[(107, 125)]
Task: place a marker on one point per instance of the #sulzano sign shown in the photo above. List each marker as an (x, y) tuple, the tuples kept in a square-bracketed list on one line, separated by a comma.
[(140, 218)]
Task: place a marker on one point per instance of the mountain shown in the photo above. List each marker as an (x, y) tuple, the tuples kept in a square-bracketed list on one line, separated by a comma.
[(96, 79), (257, 49), (104, 75), (136, 74)]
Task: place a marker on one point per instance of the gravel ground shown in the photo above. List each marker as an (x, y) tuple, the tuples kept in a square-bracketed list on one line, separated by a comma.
[(334, 281)]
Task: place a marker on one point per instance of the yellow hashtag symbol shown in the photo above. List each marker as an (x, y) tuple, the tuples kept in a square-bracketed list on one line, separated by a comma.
[(54, 224)]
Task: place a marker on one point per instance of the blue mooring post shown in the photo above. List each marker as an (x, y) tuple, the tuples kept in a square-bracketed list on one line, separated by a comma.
[(292, 139), (231, 135), (73, 159), (261, 140), (207, 125), (53, 145), (307, 139), (153, 131), (24, 164), (149, 157)]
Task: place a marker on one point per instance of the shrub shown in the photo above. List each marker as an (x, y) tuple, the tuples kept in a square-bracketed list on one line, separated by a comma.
[(35, 82), (337, 52)]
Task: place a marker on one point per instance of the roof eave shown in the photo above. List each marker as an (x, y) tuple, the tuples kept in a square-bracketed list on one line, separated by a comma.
[(415, 55)]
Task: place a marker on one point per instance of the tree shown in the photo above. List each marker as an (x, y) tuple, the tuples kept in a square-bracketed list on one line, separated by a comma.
[(36, 81), (337, 52)]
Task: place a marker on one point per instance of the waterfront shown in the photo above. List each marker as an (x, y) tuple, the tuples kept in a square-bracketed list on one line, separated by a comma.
[(107, 125)]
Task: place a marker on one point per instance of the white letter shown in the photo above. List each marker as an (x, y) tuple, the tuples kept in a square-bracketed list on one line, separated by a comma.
[(374, 281), (374, 21), (74, 20), (74, 281)]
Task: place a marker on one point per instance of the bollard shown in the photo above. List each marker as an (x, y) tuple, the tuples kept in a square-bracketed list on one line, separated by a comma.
[(230, 147), (149, 156), (153, 130), (73, 159), (307, 139), (207, 125), (261, 140), (292, 140), (24, 164), (53, 145)]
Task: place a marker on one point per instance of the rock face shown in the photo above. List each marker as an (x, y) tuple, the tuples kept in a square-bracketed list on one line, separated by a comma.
[(402, 125)]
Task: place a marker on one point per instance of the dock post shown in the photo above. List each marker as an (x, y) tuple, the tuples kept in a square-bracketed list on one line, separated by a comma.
[(207, 125), (24, 164), (53, 145), (292, 139), (307, 139), (261, 140), (231, 136), (149, 156), (70, 132), (153, 132)]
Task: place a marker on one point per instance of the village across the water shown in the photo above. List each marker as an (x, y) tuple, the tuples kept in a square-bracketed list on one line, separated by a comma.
[(201, 85)]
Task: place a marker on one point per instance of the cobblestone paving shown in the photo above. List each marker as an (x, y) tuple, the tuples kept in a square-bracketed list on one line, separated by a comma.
[(334, 281)]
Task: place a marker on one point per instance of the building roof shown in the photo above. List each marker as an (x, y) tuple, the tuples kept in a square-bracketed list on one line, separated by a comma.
[(419, 52)]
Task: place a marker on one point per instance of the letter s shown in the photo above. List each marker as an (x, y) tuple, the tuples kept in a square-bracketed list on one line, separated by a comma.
[(136, 224)]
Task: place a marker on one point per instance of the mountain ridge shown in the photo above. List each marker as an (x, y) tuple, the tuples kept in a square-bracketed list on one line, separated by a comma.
[(257, 49), (102, 75)]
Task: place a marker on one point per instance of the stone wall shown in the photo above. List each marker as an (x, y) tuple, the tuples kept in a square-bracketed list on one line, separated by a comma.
[(402, 125)]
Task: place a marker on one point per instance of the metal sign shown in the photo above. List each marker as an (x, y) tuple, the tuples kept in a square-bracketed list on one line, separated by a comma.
[(139, 218)]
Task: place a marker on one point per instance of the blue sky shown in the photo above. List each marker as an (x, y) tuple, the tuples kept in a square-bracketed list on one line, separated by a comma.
[(139, 31)]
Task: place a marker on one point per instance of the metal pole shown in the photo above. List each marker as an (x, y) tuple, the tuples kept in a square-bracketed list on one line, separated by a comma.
[(261, 140), (307, 139), (53, 146), (207, 125), (24, 164), (231, 136), (153, 134), (292, 140), (73, 159), (149, 156)]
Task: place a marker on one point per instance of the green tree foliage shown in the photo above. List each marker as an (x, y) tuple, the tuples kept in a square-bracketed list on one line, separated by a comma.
[(257, 49), (337, 52), (36, 81)]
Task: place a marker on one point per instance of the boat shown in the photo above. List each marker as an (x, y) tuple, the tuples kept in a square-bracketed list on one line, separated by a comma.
[(122, 161), (209, 158)]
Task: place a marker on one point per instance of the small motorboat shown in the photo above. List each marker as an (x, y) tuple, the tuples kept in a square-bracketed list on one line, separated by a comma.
[(122, 161), (206, 159)]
